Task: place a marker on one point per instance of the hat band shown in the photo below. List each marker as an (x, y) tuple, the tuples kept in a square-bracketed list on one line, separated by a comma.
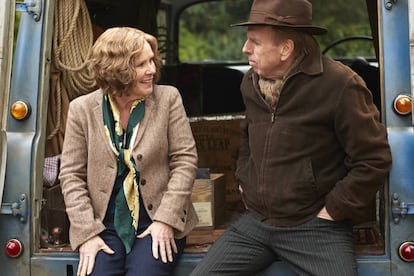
[(265, 18)]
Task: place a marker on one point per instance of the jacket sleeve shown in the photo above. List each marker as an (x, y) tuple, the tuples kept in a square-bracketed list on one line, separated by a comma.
[(73, 177), (368, 155), (183, 160)]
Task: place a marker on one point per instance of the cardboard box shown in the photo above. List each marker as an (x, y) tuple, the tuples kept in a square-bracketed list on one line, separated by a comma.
[(218, 139), (209, 200)]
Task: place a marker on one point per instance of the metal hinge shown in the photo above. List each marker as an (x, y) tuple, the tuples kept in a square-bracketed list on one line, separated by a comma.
[(400, 208), (18, 209), (32, 7)]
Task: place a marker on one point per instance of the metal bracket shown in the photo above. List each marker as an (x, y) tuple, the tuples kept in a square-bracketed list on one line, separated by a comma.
[(32, 7), (400, 209), (18, 209), (389, 4)]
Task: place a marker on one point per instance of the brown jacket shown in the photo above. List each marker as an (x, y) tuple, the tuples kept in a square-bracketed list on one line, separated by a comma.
[(323, 145), (164, 152)]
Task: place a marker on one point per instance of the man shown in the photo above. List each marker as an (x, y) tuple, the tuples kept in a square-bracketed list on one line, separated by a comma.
[(313, 152)]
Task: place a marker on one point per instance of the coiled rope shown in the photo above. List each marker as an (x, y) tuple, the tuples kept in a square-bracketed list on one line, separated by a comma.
[(72, 44)]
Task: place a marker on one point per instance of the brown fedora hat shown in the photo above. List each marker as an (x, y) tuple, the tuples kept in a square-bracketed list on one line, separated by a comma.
[(284, 13)]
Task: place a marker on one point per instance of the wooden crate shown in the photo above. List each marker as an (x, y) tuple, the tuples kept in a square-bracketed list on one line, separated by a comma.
[(218, 140), (200, 240), (209, 200)]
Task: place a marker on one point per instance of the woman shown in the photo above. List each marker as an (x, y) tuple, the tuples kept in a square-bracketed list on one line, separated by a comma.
[(128, 163)]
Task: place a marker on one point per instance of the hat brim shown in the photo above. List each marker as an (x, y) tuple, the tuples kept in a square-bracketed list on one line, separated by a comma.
[(310, 29)]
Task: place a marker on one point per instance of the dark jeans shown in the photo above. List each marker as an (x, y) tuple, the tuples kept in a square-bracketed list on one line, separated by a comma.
[(317, 247), (138, 262)]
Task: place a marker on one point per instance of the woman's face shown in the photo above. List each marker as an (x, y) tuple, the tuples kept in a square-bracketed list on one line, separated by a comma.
[(145, 71)]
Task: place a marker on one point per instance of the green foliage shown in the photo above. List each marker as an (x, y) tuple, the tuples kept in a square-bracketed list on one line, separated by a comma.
[(205, 33), (343, 19)]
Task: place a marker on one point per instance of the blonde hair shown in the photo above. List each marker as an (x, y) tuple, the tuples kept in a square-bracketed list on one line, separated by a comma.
[(113, 55)]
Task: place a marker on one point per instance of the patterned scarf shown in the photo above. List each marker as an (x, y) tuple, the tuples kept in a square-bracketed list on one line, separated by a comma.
[(127, 200), (270, 89)]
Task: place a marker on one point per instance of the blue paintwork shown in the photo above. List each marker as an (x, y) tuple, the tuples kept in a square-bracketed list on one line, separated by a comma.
[(22, 146), (402, 179), (20, 139), (395, 64)]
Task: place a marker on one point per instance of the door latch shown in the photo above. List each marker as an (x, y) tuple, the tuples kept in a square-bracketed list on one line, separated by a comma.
[(18, 209), (400, 208)]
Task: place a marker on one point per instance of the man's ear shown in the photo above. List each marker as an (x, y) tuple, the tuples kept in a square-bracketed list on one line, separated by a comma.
[(287, 49)]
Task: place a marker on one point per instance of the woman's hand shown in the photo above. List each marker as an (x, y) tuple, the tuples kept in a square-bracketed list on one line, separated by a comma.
[(163, 242), (87, 254)]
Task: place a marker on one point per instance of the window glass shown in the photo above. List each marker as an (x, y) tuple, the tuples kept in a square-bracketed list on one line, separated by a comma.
[(162, 22), (205, 34), (346, 21)]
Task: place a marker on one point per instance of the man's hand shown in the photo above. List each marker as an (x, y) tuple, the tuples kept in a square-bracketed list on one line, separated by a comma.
[(87, 253), (163, 242), (323, 214)]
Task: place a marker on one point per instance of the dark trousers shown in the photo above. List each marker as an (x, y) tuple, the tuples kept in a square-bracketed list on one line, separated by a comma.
[(138, 262), (317, 247)]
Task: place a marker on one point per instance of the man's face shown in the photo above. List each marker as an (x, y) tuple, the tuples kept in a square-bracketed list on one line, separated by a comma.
[(264, 52)]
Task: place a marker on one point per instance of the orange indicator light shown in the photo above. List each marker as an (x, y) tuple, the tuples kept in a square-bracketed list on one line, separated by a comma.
[(20, 110), (402, 104)]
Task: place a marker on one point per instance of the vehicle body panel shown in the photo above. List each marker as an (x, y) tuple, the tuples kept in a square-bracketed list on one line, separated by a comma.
[(22, 142)]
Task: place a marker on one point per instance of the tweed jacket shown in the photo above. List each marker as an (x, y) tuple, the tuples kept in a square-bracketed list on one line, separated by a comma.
[(164, 151), (323, 145)]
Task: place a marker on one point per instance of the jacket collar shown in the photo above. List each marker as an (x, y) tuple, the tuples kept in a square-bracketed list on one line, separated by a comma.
[(312, 64), (149, 109), (98, 116)]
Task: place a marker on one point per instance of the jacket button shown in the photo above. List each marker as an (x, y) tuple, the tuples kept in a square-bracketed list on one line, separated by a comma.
[(143, 182), (150, 207), (185, 212), (139, 157), (183, 219)]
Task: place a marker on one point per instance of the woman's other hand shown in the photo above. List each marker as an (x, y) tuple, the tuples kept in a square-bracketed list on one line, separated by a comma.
[(87, 254), (163, 242)]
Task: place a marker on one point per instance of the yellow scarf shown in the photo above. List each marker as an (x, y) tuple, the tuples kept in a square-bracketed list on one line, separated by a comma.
[(127, 200)]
